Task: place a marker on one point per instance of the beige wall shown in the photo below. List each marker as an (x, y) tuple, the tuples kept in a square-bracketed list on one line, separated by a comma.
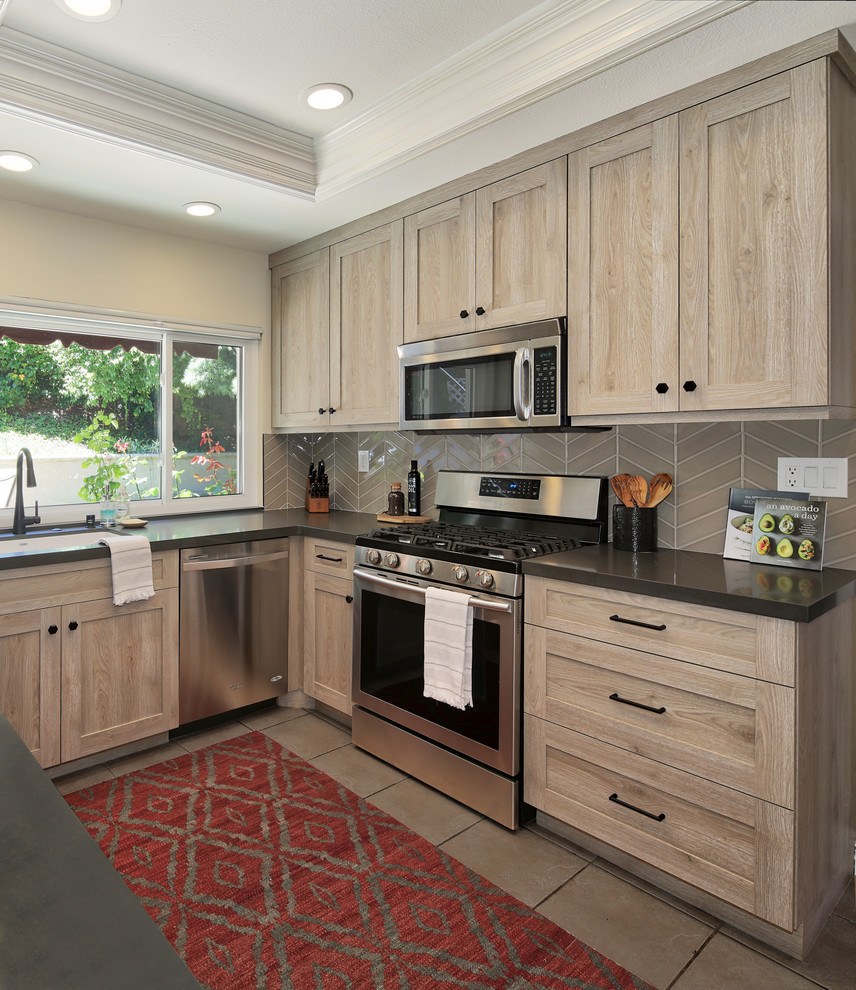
[(72, 261)]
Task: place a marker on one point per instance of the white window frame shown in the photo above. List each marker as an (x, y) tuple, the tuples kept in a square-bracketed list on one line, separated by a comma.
[(166, 332)]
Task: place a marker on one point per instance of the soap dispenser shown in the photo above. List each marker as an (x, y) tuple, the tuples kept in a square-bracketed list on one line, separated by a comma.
[(122, 504)]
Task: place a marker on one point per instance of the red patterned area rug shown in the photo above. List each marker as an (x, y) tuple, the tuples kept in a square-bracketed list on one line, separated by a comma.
[(265, 873)]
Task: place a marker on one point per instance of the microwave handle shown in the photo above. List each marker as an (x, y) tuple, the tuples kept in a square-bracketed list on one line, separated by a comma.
[(522, 390)]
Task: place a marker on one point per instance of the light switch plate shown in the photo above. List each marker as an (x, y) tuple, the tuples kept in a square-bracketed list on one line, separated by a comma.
[(362, 460), (821, 477)]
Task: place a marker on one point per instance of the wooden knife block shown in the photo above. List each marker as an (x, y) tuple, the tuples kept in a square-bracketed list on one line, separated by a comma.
[(316, 504)]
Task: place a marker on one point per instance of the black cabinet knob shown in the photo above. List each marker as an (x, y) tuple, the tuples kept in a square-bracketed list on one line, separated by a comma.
[(349, 598), (331, 410), (72, 626), (662, 388), (53, 630), (690, 386), (480, 311), (321, 411), (464, 314)]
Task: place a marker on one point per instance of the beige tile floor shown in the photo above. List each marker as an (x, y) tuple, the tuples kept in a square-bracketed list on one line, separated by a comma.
[(671, 945)]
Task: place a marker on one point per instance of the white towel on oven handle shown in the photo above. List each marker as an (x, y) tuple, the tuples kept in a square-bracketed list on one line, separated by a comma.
[(448, 672)]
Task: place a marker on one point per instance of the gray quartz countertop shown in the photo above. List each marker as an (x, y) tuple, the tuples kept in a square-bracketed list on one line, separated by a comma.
[(703, 579), (67, 919), (205, 529)]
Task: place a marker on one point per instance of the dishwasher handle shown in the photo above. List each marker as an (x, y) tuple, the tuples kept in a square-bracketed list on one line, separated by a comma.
[(202, 563)]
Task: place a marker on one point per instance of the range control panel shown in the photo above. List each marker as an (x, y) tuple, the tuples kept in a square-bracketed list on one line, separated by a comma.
[(507, 487)]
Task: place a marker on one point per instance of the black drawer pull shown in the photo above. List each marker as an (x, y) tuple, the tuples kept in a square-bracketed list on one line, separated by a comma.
[(334, 560), (72, 626), (53, 630), (636, 704), (633, 622), (349, 598), (639, 811)]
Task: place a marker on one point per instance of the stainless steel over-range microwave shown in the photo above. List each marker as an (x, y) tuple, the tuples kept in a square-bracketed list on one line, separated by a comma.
[(509, 379)]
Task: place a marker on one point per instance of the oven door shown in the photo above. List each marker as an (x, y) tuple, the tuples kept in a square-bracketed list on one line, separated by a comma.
[(389, 619)]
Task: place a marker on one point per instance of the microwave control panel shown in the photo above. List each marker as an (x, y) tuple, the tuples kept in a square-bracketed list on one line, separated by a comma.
[(545, 379)]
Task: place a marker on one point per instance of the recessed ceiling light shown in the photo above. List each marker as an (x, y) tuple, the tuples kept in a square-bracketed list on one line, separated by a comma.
[(327, 96), (201, 209), (90, 10), (16, 161)]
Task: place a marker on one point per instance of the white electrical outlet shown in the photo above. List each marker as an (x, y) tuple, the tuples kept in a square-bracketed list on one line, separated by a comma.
[(362, 460), (821, 477)]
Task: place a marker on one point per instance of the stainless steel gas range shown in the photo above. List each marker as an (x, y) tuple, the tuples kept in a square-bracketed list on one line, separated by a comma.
[(488, 525)]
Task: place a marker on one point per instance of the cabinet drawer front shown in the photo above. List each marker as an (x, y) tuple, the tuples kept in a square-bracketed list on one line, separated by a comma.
[(709, 636), (735, 847), (729, 729), (82, 581), (327, 557)]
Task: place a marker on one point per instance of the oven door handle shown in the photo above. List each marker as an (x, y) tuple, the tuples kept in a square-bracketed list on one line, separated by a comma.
[(475, 602)]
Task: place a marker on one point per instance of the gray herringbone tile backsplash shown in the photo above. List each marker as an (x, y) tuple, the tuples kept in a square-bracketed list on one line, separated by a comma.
[(705, 459)]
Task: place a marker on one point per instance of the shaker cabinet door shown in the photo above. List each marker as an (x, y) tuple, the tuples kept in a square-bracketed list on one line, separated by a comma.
[(521, 247), (440, 270), (301, 342), (30, 657), (753, 174), (366, 327), (623, 273)]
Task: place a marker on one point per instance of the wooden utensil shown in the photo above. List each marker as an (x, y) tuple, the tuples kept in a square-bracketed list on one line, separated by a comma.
[(661, 485), (621, 489), (638, 487)]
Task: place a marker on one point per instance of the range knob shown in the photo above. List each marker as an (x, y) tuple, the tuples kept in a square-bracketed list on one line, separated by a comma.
[(485, 579), (373, 556), (460, 572), (424, 566), (392, 560)]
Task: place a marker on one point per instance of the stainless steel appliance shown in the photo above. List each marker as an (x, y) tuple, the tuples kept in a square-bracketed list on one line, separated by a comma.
[(514, 378), (488, 524), (233, 640)]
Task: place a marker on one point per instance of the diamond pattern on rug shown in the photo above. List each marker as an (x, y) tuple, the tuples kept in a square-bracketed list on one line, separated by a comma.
[(266, 874)]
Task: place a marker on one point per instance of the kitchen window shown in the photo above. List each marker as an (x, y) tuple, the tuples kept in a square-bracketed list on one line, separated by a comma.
[(169, 411)]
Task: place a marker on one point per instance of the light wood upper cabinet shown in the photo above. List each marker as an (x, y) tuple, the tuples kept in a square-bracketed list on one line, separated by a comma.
[(337, 319), (700, 269), (754, 262), (492, 258), (365, 327), (623, 265), (301, 342), (440, 270)]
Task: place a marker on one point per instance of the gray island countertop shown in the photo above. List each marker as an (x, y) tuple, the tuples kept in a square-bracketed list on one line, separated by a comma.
[(68, 921)]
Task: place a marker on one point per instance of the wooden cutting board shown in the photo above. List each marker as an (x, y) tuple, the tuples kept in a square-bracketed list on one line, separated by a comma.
[(385, 518)]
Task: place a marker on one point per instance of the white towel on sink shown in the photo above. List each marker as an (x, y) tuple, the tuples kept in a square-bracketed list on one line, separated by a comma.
[(131, 558), (448, 672)]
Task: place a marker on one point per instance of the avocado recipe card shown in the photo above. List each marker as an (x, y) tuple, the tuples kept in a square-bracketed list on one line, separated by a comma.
[(788, 532)]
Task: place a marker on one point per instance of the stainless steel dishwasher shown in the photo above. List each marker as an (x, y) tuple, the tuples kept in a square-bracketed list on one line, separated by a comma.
[(233, 643)]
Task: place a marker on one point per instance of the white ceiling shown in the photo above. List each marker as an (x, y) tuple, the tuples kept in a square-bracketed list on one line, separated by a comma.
[(170, 101)]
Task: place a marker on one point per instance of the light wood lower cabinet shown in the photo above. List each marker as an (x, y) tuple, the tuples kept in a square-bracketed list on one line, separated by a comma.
[(80, 675), (328, 616), (712, 746)]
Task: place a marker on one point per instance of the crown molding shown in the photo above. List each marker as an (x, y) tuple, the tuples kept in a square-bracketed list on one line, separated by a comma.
[(43, 82), (503, 73)]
